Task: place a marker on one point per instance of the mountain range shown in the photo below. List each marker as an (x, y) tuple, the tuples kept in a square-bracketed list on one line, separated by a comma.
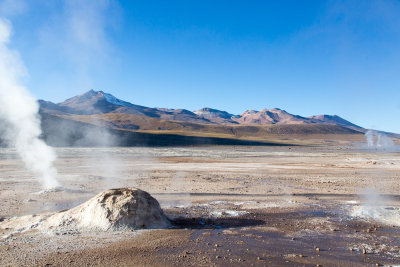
[(95, 103), (96, 118)]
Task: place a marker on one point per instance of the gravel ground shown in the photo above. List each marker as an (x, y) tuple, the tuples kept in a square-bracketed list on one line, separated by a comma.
[(304, 205)]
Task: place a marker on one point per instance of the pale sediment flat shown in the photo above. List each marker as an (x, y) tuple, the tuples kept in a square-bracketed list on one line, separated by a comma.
[(289, 205)]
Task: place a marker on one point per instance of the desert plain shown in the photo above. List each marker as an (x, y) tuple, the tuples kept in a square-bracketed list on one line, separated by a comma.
[(326, 204)]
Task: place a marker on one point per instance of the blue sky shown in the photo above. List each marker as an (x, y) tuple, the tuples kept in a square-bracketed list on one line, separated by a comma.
[(307, 57)]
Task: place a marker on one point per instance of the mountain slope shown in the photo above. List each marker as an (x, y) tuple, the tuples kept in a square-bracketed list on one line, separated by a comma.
[(215, 115), (63, 132), (99, 118), (146, 124), (270, 116), (93, 102), (99, 102), (335, 120)]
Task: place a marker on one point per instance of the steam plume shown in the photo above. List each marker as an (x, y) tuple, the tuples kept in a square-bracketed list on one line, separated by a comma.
[(378, 140), (375, 207), (19, 114)]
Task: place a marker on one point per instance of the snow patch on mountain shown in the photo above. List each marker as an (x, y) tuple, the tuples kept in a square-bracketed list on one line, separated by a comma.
[(113, 100)]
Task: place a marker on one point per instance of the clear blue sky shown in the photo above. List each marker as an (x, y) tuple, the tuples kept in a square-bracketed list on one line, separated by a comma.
[(307, 57)]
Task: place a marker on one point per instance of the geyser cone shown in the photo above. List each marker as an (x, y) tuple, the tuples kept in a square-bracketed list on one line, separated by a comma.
[(114, 209)]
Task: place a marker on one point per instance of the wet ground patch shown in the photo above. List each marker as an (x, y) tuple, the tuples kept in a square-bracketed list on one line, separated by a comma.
[(214, 223)]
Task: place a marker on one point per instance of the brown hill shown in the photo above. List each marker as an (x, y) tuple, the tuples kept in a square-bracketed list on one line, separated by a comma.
[(146, 124), (335, 120), (99, 102), (93, 102), (58, 131), (98, 118), (271, 116), (217, 116)]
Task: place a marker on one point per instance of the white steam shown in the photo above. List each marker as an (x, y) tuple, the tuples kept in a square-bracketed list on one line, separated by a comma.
[(375, 207), (78, 34), (19, 114), (378, 140)]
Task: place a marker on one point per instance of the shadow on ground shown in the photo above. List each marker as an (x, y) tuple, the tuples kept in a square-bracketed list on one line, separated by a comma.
[(214, 223)]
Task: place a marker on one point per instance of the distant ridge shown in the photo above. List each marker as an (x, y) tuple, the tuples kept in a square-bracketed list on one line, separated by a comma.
[(97, 118), (335, 120), (271, 116), (107, 113), (215, 115), (99, 102)]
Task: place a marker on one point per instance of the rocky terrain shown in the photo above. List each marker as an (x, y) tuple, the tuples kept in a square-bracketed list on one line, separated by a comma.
[(327, 204)]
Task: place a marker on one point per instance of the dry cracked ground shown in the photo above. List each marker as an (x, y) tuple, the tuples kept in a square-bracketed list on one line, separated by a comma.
[(250, 206)]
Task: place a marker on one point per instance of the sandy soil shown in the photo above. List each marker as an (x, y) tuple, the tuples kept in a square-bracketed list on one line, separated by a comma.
[(304, 205)]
